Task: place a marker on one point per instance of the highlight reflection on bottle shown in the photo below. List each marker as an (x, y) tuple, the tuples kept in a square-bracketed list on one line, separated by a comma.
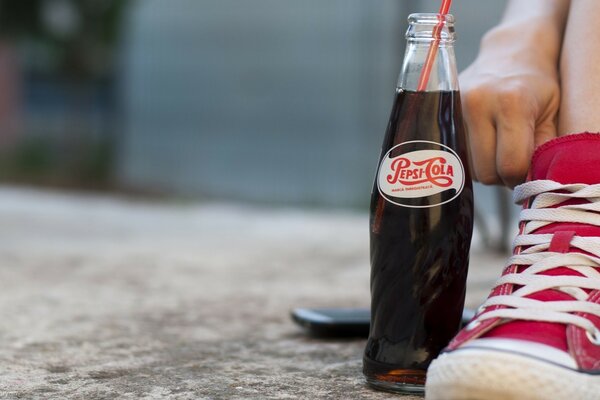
[(421, 219)]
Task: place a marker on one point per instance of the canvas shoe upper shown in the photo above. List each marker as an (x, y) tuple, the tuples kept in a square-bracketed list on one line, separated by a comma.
[(544, 311)]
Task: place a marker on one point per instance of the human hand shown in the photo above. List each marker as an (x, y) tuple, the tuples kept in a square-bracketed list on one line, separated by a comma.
[(510, 97)]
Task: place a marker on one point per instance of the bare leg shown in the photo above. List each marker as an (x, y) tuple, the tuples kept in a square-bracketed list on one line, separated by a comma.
[(580, 70)]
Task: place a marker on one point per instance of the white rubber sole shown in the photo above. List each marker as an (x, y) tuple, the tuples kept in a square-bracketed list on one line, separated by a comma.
[(480, 374)]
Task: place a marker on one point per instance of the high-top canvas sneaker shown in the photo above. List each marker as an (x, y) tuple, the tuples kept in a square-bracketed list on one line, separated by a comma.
[(537, 336)]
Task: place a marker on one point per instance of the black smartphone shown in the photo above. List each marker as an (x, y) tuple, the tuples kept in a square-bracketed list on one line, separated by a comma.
[(342, 322)]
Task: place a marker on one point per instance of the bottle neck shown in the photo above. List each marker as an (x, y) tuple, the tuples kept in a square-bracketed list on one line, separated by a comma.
[(420, 35), (443, 77)]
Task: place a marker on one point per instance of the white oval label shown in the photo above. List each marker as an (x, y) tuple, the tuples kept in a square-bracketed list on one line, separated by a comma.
[(420, 173)]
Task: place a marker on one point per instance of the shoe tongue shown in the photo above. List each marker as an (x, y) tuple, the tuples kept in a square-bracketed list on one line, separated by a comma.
[(568, 159)]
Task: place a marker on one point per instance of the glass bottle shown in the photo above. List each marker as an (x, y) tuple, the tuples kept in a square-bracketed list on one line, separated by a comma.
[(421, 217)]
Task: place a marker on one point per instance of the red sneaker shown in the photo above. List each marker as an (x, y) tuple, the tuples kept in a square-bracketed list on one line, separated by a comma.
[(537, 336)]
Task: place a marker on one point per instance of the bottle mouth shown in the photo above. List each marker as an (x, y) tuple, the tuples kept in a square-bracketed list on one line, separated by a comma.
[(431, 18), (421, 27)]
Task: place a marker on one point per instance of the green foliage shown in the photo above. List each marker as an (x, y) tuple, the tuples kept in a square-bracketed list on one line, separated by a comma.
[(82, 35), (40, 160), (76, 41), (21, 18), (97, 18), (33, 157)]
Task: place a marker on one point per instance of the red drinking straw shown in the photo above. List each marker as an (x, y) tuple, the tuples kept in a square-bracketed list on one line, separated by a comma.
[(433, 47)]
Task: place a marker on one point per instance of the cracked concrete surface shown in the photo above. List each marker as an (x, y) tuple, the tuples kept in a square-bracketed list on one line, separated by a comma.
[(105, 298)]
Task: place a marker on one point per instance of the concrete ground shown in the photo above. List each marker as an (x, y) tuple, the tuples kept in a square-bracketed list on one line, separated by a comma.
[(105, 298)]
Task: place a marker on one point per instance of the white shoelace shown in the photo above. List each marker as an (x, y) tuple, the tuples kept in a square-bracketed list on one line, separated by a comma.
[(538, 258)]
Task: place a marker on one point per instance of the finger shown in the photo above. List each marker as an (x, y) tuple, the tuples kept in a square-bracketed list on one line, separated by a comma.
[(470, 167), (481, 137), (515, 123), (545, 131), (547, 123)]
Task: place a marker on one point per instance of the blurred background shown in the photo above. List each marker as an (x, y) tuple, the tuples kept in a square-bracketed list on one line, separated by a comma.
[(263, 101), (199, 168)]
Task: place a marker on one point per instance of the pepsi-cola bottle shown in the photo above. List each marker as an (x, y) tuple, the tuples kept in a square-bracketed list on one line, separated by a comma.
[(421, 217)]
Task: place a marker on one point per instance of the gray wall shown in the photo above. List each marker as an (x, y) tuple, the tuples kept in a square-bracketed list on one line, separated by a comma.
[(268, 100)]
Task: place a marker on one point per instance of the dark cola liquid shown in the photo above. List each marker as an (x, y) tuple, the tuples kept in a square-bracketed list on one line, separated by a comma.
[(419, 245)]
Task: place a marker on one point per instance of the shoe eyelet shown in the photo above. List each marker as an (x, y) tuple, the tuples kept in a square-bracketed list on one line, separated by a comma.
[(472, 325), (594, 336)]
